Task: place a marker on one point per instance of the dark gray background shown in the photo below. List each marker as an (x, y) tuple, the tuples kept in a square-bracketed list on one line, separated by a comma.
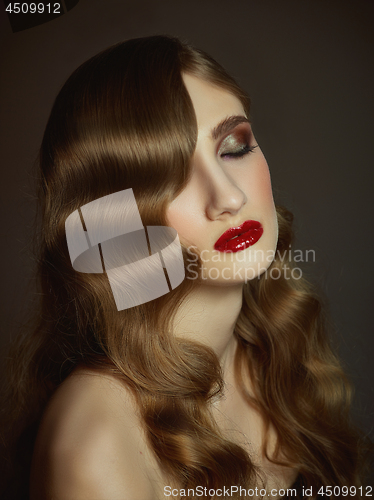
[(308, 66)]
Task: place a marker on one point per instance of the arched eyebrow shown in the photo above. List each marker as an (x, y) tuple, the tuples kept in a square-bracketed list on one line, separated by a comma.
[(228, 124)]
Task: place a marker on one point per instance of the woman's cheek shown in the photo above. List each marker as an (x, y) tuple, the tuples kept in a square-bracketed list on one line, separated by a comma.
[(185, 223), (259, 187)]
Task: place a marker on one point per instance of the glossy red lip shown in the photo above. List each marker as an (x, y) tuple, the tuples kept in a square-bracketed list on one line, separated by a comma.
[(239, 238)]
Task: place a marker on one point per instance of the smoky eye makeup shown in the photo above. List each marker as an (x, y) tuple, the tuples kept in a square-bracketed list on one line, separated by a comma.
[(237, 143)]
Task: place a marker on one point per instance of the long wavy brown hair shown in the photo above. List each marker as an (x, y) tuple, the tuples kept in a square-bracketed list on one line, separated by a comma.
[(124, 119)]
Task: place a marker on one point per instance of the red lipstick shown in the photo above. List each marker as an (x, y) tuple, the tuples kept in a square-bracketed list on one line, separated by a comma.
[(239, 238)]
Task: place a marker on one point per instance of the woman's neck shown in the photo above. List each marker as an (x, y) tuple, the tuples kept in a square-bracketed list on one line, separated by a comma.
[(209, 316)]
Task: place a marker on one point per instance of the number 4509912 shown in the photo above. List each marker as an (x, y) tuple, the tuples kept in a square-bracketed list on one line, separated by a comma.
[(34, 8), (345, 491)]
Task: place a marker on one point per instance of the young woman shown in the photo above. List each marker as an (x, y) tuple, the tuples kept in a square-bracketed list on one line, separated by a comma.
[(225, 382)]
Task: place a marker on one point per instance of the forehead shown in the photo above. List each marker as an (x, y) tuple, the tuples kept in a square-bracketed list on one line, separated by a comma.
[(211, 103)]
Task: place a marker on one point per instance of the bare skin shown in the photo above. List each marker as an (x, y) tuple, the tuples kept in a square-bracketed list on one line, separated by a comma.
[(91, 443)]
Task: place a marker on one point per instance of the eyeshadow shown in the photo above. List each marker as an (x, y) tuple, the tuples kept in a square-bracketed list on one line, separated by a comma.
[(236, 140)]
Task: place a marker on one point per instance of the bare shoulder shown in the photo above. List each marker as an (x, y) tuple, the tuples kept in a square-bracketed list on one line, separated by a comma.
[(91, 445)]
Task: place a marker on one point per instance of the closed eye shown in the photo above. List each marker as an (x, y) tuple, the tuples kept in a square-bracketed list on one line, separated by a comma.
[(239, 152)]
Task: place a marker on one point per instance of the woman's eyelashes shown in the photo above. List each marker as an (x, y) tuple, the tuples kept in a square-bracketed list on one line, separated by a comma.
[(238, 152)]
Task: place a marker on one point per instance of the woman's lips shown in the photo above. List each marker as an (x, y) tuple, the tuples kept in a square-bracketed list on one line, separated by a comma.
[(239, 238)]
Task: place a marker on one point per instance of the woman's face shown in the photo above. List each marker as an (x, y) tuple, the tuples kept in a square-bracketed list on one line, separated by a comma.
[(226, 212)]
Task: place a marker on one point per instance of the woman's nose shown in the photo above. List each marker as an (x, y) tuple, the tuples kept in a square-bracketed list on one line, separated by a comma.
[(224, 195)]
